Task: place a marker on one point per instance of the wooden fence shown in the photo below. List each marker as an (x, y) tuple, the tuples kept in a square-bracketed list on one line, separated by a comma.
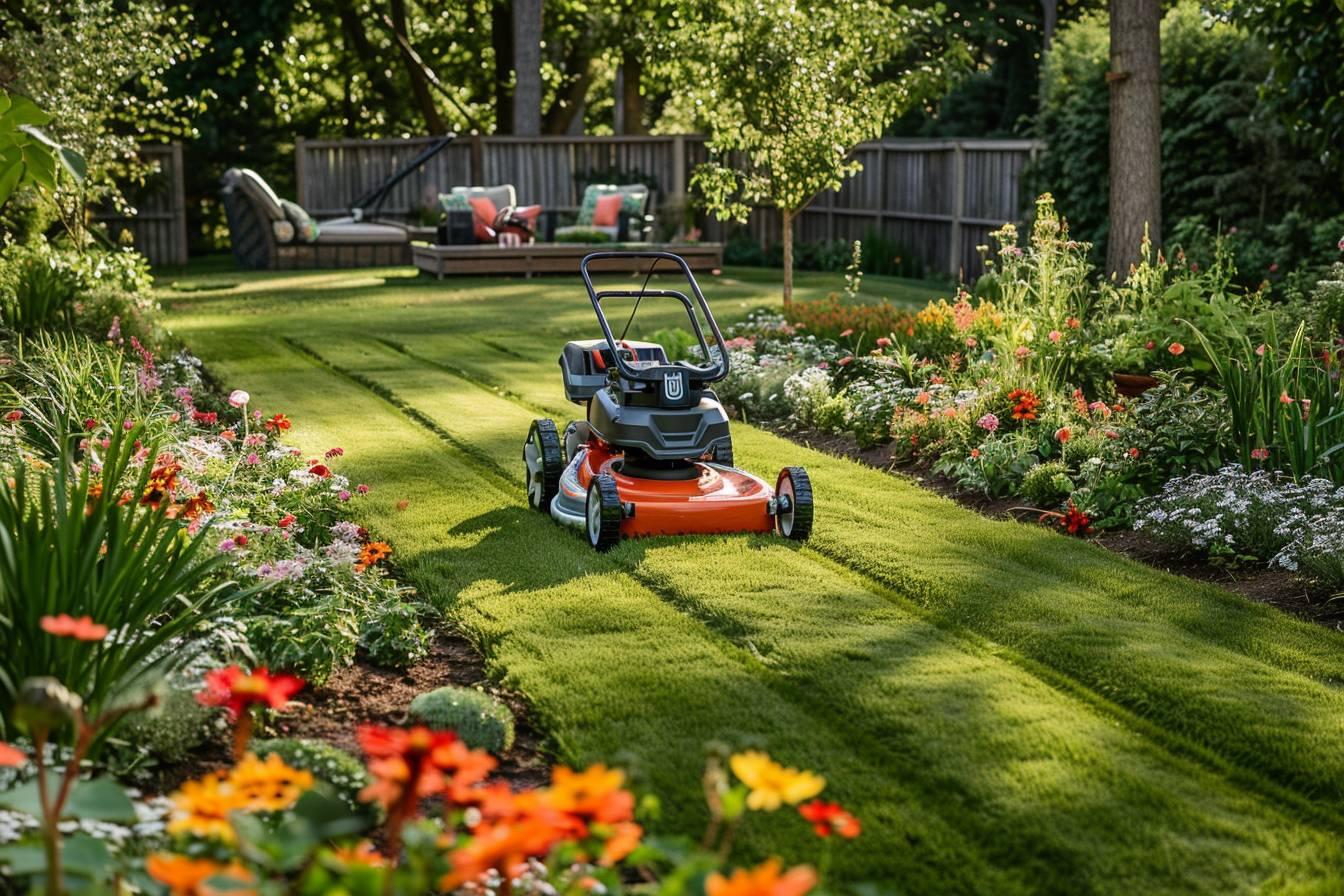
[(937, 198), (158, 228)]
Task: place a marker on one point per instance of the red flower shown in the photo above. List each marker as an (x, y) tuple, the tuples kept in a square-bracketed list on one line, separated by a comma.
[(236, 690), (205, 418), (883, 342), (240, 540), (1176, 349), (1075, 522), (321, 471), (66, 626), (14, 416), (335, 452), (847, 360), (1063, 434), (286, 521), (278, 423), (160, 486), (830, 818), (10, 756)]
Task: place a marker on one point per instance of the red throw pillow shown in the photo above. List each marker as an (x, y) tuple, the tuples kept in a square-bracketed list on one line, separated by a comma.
[(607, 212), (483, 217)]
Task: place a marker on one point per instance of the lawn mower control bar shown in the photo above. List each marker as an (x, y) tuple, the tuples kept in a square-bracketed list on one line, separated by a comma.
[(704, 373)]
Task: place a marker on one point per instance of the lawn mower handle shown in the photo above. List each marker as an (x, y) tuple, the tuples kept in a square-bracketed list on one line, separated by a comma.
[(710, 375)]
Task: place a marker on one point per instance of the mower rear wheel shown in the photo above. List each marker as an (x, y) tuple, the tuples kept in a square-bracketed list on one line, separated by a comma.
[(793, 496), (604, 513), (543, 464)]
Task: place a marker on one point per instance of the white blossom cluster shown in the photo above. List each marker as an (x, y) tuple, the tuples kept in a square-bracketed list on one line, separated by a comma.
[(1298, 525)]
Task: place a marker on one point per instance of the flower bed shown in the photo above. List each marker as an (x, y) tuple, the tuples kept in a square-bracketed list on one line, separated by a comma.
[(1009, 390)]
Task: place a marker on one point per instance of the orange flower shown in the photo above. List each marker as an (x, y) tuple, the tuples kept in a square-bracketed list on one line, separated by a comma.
[(372, 554), (194, 507), (1025, 404), (236, 690), (278, 423), (763, 880), (160, 486), (401, 759), (623, 840), (66, 626), (830, 818), (361, 853), (1176, 349), (187, 877), (10, 756), (499, 847), (592, 796)]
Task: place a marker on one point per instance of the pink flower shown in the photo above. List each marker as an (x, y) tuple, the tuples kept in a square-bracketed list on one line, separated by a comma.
[(344, 495), (1260, 453), (989, 423), (846, 332), (822, 365), (1022, 351), (883, 342), (1260, 350), (1055, 335), (970, 342), (1285, 398), (227, 545), (238, 398), (1150, 345), (252, 460), (847, 360), (1274, 268), (362, 489), (128, 425)]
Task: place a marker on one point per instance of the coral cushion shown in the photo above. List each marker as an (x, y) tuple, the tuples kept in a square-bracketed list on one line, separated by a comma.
[(484, 218), (607, 212)]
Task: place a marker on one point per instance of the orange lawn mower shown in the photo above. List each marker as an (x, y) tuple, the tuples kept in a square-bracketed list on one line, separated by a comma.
[(653, 455)]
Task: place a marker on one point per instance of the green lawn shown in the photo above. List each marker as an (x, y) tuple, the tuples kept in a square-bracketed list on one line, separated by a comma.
[(1009, 711)]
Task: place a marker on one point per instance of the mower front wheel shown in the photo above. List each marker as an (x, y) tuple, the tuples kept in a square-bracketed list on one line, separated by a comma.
[(604, 513), (793, 499), (543, 464)]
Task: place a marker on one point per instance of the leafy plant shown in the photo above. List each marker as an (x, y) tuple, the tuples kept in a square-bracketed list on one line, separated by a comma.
[(101, 545), (36, 292), (28, 157), (480, 720), (393, 636)]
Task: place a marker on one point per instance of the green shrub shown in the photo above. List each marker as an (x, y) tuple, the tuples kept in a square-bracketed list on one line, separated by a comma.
[(583, 235), (346, 774), (480, 720), (393, 635), (679, 344), (1328, 304), (1047, 485), (37, 291)]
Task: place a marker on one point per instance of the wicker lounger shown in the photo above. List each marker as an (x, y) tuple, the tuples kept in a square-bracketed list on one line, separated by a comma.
[(257, 221)]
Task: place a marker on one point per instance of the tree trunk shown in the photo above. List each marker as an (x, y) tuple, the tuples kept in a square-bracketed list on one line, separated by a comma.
[(501, 39), (1136, 131), (786, 217), (527, 65), (569, 101), (1049, 20), (632, 70), (424, 98)]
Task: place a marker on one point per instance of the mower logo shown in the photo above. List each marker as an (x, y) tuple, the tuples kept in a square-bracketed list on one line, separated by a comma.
[(674, 385)]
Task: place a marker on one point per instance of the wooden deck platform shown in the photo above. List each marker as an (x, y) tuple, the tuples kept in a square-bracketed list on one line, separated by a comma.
[(549, 258)]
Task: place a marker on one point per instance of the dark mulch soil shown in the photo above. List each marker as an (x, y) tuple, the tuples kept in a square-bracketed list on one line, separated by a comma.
[(367, 693), (1276, 587)]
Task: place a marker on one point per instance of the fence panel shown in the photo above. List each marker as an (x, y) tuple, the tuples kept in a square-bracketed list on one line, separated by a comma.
[(938, 199), (158, 229)]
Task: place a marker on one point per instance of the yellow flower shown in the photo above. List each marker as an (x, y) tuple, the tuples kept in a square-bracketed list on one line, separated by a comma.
[(201, 808), (772, 784), (267, 786)]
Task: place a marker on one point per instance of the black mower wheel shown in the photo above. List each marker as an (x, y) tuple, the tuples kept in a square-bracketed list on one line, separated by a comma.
[(793, 513), (604, 513), (722, 454), (542, 464)]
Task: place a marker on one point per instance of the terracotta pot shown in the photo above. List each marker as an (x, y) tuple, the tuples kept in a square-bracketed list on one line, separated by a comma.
[(1132, 385)]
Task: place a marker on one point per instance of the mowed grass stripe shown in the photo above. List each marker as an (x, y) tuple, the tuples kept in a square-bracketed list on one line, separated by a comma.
[(1044, 782), (1253, 685), (612, 671)]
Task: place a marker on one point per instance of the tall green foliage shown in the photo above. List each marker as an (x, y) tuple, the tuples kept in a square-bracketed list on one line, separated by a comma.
[(80, 541), (1225, 159)]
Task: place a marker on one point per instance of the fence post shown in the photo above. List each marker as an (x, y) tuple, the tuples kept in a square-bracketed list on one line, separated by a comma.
[(679, 166), (300, 170), (179, 207), (958, 206)]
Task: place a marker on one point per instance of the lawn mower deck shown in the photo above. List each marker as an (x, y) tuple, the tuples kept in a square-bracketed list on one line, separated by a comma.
[(653, 455)]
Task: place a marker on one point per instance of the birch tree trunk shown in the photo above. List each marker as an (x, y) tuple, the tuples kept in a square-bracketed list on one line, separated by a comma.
[(787, 216)]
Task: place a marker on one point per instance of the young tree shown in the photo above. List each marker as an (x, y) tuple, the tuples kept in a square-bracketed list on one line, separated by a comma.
[(1136, 131), (788, 88)]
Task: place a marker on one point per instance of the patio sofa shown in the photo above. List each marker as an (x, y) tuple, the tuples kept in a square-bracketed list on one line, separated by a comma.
[(270, 233), (621, 212), (473, 214)]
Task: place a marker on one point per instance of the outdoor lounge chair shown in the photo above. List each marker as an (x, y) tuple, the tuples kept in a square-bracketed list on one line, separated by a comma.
[(623, 221), (269, 233), (481, 214)]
